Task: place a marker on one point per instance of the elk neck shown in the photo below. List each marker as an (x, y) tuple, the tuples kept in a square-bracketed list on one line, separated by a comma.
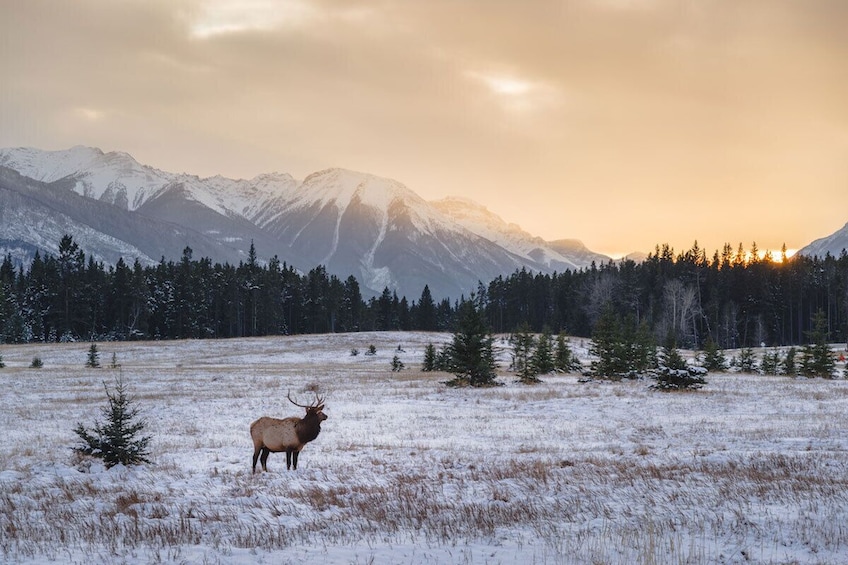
[(308, 427)]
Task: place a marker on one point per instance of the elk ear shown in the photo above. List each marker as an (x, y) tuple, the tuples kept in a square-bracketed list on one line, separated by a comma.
[(319, 408)]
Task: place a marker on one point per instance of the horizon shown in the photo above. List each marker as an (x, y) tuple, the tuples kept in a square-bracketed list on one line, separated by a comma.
[(619, 123)]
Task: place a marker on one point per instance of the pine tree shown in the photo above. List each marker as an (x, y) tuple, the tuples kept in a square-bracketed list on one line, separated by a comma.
[(816, 357), (397, 364), (564, 358), (621, 350), (714, 359), (523, 343), (747, 363), (607, 347), (429, 363), (770, 363), (472, 357), (93, 360), (542, 360), (673, 373), (789, 367), (670, 357), (116, 441)]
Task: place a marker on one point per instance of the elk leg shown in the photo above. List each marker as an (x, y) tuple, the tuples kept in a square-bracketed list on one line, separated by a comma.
[(264, 458), (289, 459), (294, 459), (255, 457)]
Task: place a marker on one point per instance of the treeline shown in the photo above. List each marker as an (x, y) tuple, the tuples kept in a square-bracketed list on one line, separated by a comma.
[(735, 299), (68, 297)]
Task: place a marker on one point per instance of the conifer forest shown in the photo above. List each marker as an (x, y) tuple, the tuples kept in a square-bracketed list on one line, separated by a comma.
[(733, 298)]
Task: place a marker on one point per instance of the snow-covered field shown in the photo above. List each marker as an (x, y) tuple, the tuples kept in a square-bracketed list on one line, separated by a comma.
[(750, 469)]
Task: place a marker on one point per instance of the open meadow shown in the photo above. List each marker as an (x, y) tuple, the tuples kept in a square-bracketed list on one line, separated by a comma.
[(749, 469)]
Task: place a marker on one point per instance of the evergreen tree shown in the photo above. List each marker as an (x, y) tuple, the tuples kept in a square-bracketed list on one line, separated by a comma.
[(523, 343), (816, 357), (747, 363), (621, 350), (789, 367), (607, 347), (117, 441), (564, 359), (670, 357), (770, 363), (429, 358), (93, 360), (542, 360), (714, 359), (397, 364), (472, 358), (673, 373), (426, 311)]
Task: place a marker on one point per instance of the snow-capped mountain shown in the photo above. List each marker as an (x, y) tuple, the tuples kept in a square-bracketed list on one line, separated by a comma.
[(34, 216), (834, 244), (353, 223), (534, 251)]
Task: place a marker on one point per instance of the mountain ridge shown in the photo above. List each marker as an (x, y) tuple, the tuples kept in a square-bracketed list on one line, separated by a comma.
[(374, 228)]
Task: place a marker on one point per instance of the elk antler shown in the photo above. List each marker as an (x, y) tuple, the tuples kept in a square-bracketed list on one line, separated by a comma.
[(318, 401), (288, 395)]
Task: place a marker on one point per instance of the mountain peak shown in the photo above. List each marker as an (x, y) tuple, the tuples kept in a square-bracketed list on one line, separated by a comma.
[(342, 186), (351, 222)]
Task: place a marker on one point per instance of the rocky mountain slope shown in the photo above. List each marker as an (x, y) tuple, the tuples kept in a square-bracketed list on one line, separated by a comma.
[(353, 223)]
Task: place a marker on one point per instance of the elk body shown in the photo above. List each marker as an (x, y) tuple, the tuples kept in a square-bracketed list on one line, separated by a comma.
[(287, 434)]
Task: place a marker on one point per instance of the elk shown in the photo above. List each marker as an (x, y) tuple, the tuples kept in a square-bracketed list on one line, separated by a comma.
[(287, 434)]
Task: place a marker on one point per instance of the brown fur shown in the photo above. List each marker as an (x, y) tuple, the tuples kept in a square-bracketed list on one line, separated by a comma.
[(274, 435)]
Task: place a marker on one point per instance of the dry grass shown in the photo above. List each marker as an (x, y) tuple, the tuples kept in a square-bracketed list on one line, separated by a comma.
[(746, 470)]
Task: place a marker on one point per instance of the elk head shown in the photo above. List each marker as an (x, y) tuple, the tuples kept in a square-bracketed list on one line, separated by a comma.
[(315, 409)]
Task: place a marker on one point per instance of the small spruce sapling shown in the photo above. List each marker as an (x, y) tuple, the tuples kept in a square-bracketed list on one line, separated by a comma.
[(673, 373), (564, 359), (429, 363), (93, 360), (472, 358), (523, 343), (542, 360), (789, 366), (770, 364), (397, 364), (816, 357), (118, 439), (714, 359), (747, 363)]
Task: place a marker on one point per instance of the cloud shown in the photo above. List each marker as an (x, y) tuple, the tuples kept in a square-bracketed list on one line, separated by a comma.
[(526, 106), (221, 17)]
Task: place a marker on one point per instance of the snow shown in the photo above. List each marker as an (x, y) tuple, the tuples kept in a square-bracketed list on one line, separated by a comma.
[(407, 470), (479, 220), (92, 170)]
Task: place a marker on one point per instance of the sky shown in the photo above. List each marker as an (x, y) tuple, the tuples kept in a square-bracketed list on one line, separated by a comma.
[(622, 123)]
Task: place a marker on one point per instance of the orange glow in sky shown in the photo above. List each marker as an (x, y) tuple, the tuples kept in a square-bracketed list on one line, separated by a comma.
[(624, 124)]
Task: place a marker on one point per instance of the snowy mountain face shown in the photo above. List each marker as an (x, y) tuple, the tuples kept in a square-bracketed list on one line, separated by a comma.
[(352, 223), (834, 244), (534, 251)]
